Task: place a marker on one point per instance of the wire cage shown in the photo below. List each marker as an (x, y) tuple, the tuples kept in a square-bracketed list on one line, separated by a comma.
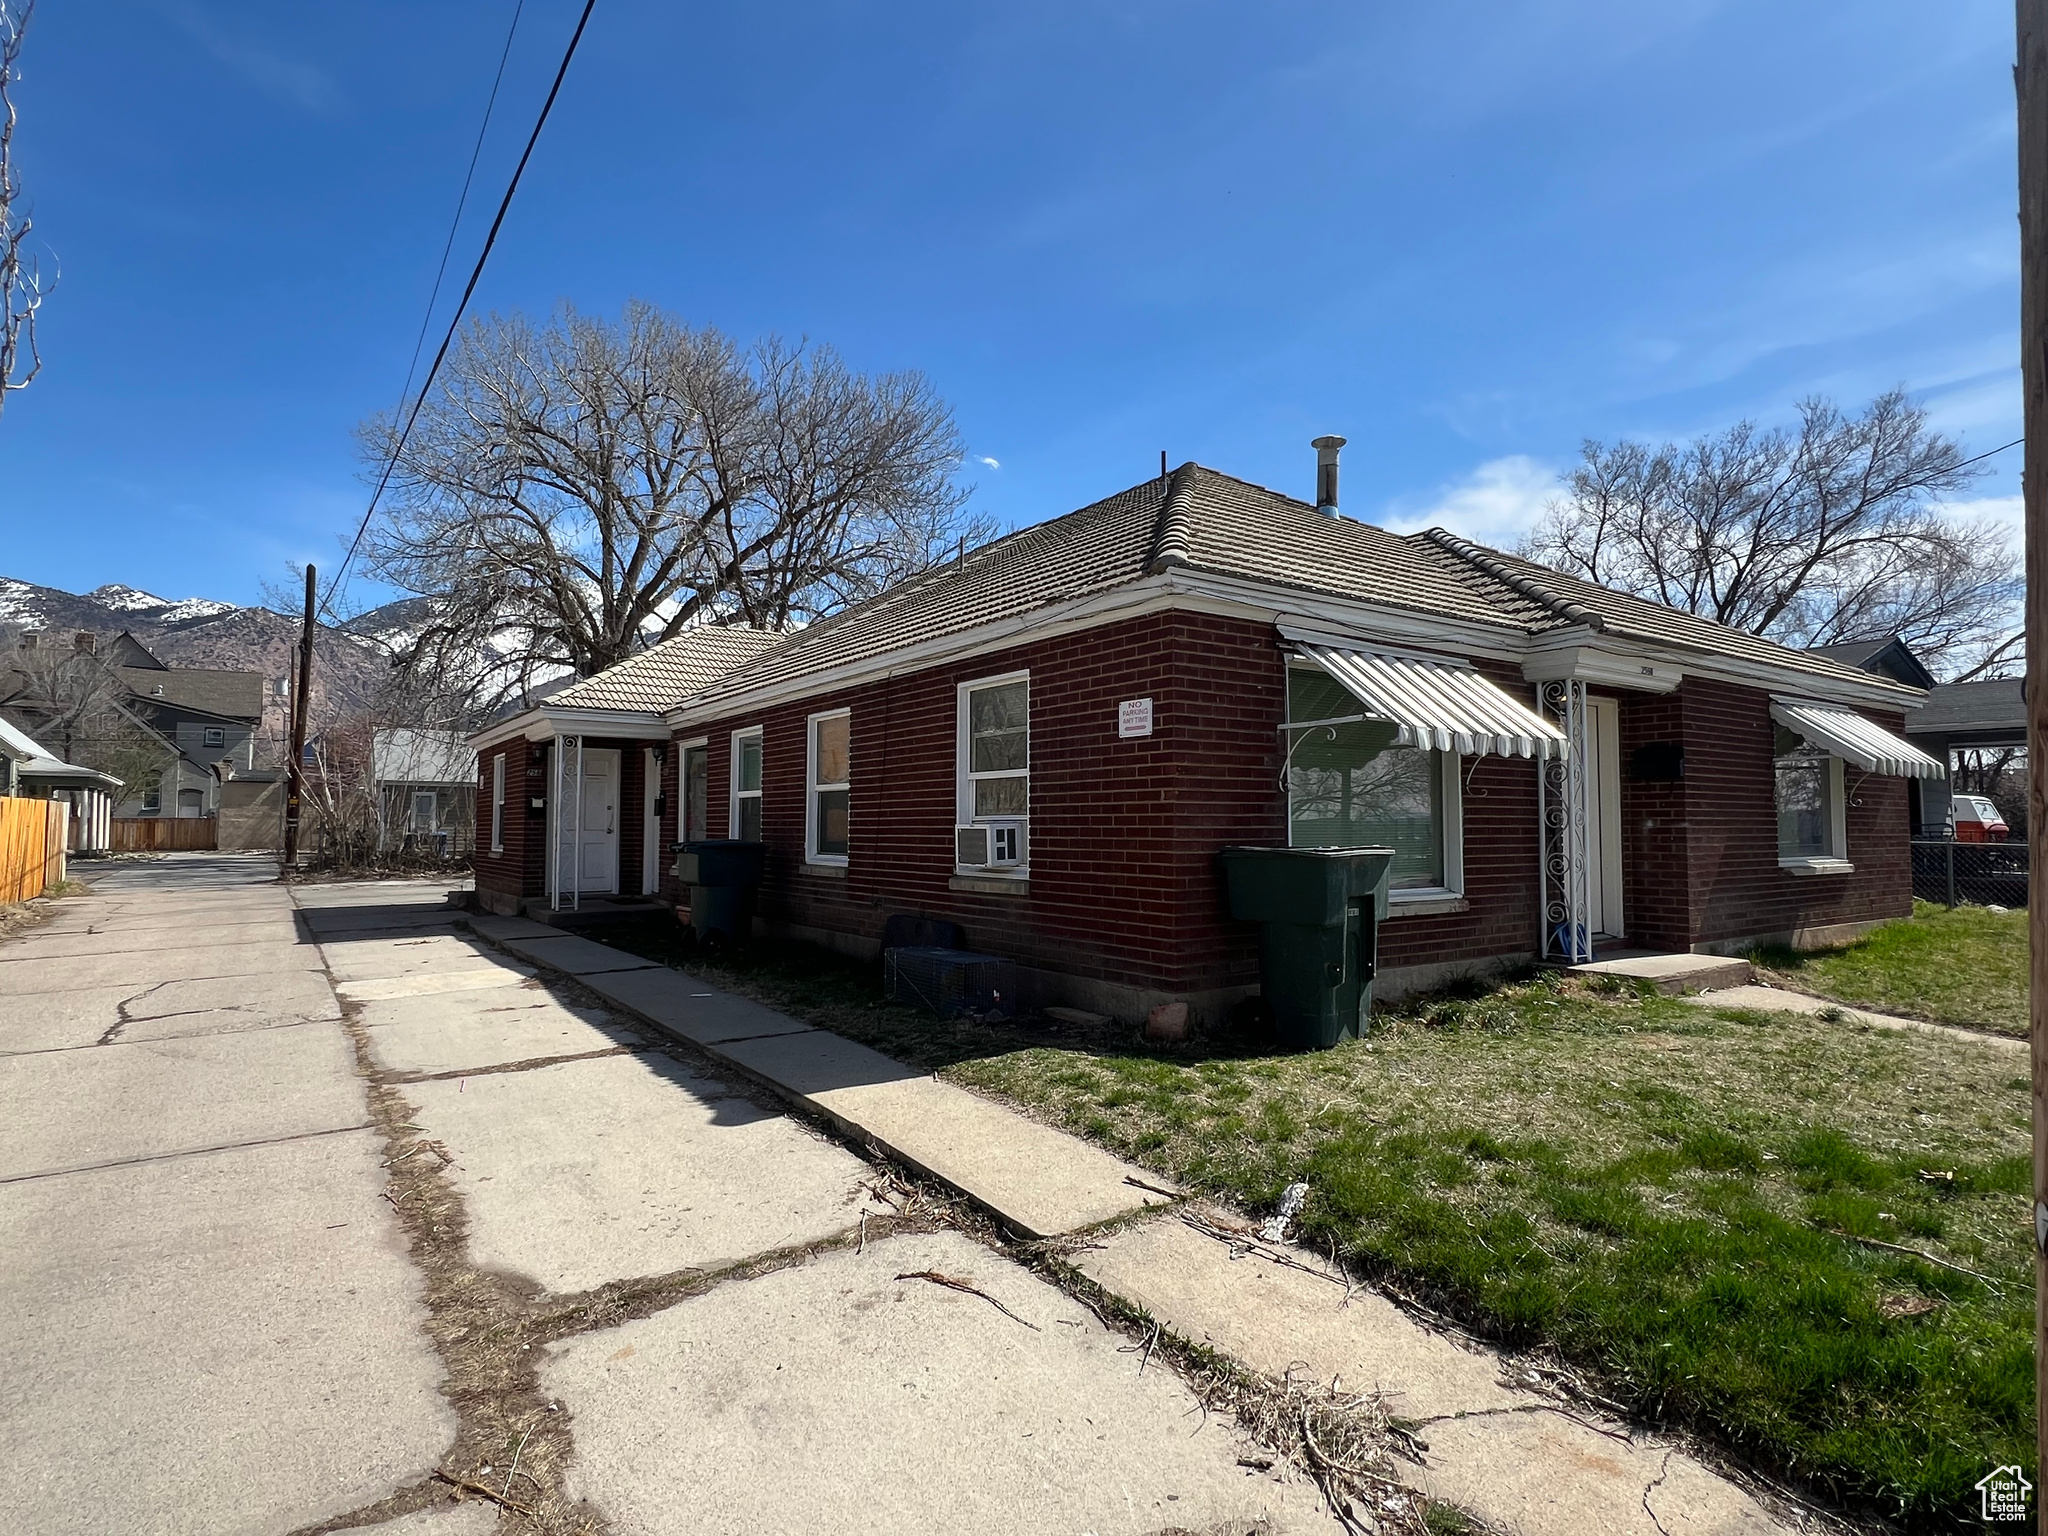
[(951, 983)]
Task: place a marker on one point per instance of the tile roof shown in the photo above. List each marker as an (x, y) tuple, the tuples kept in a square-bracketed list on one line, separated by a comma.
[(1570, 600), (1213, 523), (664, 673)]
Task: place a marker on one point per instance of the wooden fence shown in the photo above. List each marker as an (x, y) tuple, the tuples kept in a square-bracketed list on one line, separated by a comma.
[(161, 834), (32, 835)]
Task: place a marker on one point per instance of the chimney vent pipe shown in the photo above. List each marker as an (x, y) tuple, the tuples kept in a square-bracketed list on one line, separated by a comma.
[(1326, 474)]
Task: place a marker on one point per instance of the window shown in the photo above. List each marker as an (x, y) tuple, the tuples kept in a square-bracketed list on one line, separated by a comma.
[(215, 736), (1349, 786), (746, 785), (696, 792), (153, 799), (993, 746), (498, 803), (830, 773), (423, 811), (1809, 802), (997, 738)]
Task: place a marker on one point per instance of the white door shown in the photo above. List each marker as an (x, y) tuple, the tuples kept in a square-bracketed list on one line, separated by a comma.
[(1603, 835), (650, 832), (597, 841)]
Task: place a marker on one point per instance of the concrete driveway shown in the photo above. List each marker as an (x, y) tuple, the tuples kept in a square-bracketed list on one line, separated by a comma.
[(322, 1213)]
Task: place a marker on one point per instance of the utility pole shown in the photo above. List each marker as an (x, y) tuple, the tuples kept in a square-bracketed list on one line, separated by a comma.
[(294, 791), (2030, 82)]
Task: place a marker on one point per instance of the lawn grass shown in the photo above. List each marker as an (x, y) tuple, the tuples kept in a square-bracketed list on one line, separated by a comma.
[(1671, 1196), (1962, 966)]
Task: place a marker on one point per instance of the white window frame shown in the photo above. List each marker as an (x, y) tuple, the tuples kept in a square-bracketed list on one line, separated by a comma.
[(498, 803), (812, 787), (964, 779), (733, 793), (208, 732), (680, 751), (1452, 795), (1836, 860), (433, 809)]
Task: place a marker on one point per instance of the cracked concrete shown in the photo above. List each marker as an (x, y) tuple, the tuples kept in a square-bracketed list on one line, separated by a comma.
[(319, 1323), (212, 1326), (1516, 1459)]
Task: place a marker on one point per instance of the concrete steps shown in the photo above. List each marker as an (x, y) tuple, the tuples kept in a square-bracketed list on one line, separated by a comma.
[(1673, 974)]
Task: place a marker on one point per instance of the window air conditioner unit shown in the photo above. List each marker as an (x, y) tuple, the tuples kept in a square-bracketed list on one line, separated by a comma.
[(990, 845)]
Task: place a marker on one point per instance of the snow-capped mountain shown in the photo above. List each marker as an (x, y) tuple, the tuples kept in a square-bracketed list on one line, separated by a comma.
[(350, 664), (153, 609)]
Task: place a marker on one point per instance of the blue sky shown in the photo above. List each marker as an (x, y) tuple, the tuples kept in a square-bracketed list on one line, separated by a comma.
[(1465, 237)]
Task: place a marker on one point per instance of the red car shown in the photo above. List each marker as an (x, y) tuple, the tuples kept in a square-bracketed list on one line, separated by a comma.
[(1977, 820)]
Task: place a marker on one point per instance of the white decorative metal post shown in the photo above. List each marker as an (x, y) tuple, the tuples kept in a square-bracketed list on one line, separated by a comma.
[(1563, 806)]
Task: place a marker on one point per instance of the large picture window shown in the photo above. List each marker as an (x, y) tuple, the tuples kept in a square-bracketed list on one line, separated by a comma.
[(1809, 803), (830, 773), (1349, 786), (746, 785)]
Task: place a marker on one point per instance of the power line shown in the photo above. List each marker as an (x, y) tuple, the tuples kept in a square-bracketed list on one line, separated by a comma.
[(454, 320), (461, 202), (1987, 453)]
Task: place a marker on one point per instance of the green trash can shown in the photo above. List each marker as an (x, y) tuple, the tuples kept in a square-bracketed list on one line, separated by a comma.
[(722, 874), (1320, 911)]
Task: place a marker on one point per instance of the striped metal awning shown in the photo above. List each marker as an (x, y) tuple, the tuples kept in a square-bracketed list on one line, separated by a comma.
[(1442, 704), (1849, 736)]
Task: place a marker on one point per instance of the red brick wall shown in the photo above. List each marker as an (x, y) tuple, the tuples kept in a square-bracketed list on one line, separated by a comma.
[(1655, 833), (1124, 885), (1737, 887), (519, 871)]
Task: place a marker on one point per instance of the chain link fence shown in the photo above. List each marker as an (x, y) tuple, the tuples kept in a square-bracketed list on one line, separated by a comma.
[(1987, 874)]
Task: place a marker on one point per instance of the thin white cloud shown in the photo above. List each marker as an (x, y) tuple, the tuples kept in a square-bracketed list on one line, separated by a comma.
[(1999, 517), (991, 463), (287, 80), (1496, 504)]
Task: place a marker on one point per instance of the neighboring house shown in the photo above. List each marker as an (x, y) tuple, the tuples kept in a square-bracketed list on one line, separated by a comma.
[(27, 769), (620, 750), (208, 717), (1987, 718), (1049, 741), (425, 782)]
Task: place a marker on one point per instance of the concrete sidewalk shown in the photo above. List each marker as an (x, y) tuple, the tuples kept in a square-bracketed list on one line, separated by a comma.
[(212, 1325), (1783, 1000), (1516, 1457)]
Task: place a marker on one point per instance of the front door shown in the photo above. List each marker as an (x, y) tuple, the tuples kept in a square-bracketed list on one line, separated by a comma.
[(1603, 830), (587, 825)]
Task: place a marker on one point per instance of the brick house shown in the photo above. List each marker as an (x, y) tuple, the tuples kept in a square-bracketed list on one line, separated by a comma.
[(618, 744), (1048, 741)]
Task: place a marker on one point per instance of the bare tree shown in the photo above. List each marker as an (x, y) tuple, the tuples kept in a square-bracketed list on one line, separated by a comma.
[(1832, 530), (577, 490), (22, 288), (76, 706)]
